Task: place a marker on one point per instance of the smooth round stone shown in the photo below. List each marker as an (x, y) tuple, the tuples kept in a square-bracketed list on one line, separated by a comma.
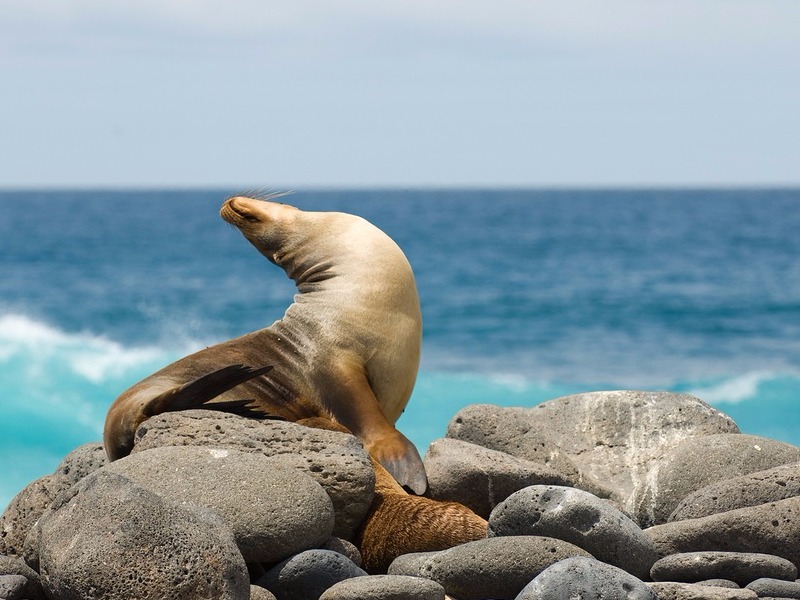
[(260, 593), (307, 575), (385, 587), (337, 461), (776, 588), (12, 587), (670, 590), (273, 510), (582, 577), (740, 567), (15, 565), (411, 563), (580, 518), (495, 567)]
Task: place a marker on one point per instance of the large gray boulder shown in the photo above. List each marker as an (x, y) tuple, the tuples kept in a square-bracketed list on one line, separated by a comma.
[(307, 575), (673, 590), (580, 518), (582, 577), (756, 488), (14, 565), (479, 477), (273, 510), (111, 538), (772, 528), (610, 439), (337, 461), (496, 567), (697, 462)]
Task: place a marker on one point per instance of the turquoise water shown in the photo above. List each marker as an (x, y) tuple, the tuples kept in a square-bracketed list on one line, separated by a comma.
[(526, 296)]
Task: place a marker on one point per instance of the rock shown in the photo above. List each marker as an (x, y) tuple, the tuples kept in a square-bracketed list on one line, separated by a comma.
[(726, 583), (582, 577), (512, 431), (772, 528), (740, 567), (112, 536), (14, 565), (343, 547), (775, 588), (410, 564), (698, 462), (756, 488), (307, 575), (273, 510), (496, 567), (26, 508), (83, 460), (337, 461), (580, 518), (260, 593), (12, 587), (689, 591), (385, 587), (481, 478), (609, 437)]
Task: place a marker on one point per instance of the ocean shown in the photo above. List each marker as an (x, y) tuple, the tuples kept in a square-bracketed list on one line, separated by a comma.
[(526, 295)]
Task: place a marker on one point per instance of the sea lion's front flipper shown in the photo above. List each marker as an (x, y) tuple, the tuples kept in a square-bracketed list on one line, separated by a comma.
[(355, 406), (203, 389)]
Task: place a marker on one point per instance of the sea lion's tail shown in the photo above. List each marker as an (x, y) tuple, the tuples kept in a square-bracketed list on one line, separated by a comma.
[(129, 411)]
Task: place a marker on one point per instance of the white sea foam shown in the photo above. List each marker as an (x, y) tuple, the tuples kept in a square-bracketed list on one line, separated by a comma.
[(734, 390)]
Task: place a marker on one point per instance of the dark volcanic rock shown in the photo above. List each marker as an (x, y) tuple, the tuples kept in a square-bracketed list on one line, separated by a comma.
[(698, 462), (740, 567), (481, 478), (337, 461), (772, 528), (496, 567), (307, 575), (12, 587), (385, 587), (756, 488), (580, 518), (582, 577), (14, 565), (609, 437), (110, 538)]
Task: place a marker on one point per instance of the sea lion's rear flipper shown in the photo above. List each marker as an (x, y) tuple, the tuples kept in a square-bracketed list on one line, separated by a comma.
[(357, 408), (203, 389)]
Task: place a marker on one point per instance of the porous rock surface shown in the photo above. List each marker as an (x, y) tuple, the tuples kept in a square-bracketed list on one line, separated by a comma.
[(775, 588), (671, 590), (579, 518), (25, 509), (337, 461), (384, 587), (113, 539), (772, 528), (756, 488), (81, 461), (496, 567), (479, 477), (611, 439), (739, 567), (582, 577), (698, 462), (274, 510), (305, 576)]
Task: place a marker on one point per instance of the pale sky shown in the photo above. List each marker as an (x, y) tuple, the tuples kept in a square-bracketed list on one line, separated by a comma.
[(255, 93)]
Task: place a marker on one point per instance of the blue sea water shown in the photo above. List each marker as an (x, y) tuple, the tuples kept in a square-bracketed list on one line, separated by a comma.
[(526, 296)]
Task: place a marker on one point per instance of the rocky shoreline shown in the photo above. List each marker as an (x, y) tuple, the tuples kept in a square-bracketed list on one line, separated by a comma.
[(629, 495)]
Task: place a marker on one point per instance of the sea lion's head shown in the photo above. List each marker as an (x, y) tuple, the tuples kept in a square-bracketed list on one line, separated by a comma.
[(269, 226)]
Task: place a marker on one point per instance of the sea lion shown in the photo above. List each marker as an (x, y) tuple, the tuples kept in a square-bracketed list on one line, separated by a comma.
[(347, 349)]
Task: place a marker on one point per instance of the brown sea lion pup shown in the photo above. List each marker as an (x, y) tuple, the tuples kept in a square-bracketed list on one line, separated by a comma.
[(347, 348), (398, 523)]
